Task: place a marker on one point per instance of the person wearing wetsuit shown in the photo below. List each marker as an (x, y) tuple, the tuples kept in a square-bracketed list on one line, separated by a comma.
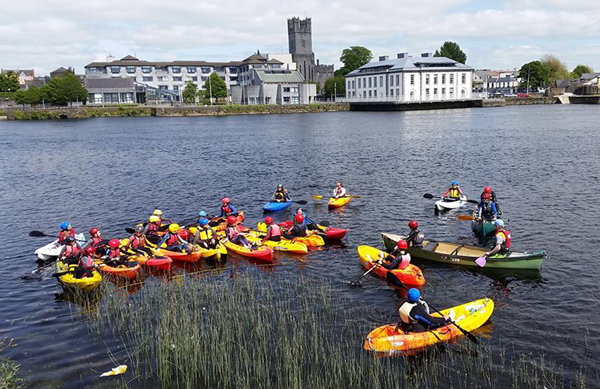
[(281, 194), (71, 251), (227, 209), (298, 229), (173, 240), (502, 245), (454, 192), (415, 238), (415, 317), (493, 197), (273, 231), (205, 236), (399, 258), (486, 210)]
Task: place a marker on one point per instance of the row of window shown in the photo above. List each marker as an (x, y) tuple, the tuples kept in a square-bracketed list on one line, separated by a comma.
[(290, 89), (371, 82), (148, 69), (175, 78), (373, 93)]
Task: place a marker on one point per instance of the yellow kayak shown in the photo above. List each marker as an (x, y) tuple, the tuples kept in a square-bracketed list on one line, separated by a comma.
[(68, 279), (339, 202), (283, 245), (469, 317), (311, 239), (216, 254)]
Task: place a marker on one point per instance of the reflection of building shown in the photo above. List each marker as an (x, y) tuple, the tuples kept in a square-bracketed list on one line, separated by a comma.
[(406, 79), (300, 45)]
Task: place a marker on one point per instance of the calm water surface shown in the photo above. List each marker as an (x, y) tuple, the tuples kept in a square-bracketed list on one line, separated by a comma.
[(542, 161)]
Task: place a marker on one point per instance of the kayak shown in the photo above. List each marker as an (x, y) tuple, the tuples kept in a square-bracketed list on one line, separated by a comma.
[(412, 275), (129, 271), (51, 250), (68, 280), (330, 232), (214, 254), (469, 317), (340, 201), (263, 253), (464, 255), (158, 263), (283, 245), (274, 206), (312, 239), (447, 204), (219, 224), (179, 256), (482, 227)]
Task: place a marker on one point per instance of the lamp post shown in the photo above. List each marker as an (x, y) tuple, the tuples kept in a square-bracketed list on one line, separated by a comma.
[(210, 88)]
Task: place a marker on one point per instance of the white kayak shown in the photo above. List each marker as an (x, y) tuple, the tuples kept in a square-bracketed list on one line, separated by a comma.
[(51, 250), (445, 204)]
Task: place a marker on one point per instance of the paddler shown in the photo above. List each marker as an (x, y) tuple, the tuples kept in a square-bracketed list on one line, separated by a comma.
[(113, 254), (398, 259), (138, 241), (339, 190), (65, 231), (173, 240), (95, 238), (161, 221), (414, 314), (493, 197), (205, 236), (71, 251), (227, 209), (415, 238), (86, 265), (273, 231), (486, 210), (454, 192), (502, 245), (153, 226), (298, 229), (281, 194), (235, 236)]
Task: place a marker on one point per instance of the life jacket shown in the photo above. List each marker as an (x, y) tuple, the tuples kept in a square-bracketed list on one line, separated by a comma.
[(184, 234), (454, 192), (61, 238), (226, 209), (231, 232), (279, 195), (172, 240), (338, 191), (71, 250), (275, 230), (153, 228), (136, 241), (86, 262), (486, 210), (405, 310), (506, 244), (206, 234), (405, 261), (114, 254), (159, 222), (96, 240)]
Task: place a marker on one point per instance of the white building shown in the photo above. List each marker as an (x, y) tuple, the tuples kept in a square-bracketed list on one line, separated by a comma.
[(410, 79)]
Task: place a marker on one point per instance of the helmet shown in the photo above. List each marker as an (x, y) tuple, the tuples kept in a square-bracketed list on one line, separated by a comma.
[(299, 218), (69, 239), (114, 243), (413, 224), (173, 228), (414, 295), (402, 245), (202, 214), (486, 196), (279, 186), (94, 231), (157, 212), (487, 189), (65, 225), (269, 220), (139, 228), (203, 221), (454, 182), (231, 219), (225, 200), (499, 223), (90, 250), (154, 219)]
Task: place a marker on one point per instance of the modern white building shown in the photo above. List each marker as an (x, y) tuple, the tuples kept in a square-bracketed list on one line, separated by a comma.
[(410, 79)]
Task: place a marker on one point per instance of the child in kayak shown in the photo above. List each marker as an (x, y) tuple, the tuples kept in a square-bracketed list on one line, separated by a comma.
[(161, 220), (227, 209), (415, 238), (235, 236), (339, 190), (65, 231), (493, 197), (71, 251), (205, 236), (174, 241), (398, 259), (86, 265), (113, 256), (415, 317), (281, 194), (273, 231), (96, 241), (454, 192), (138, 241)]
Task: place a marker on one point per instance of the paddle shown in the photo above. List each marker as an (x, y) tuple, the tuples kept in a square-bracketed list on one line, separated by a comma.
[(392, 278), (37, 234), (481, 261), (430, 196), (364, 275), (465, 217), (129, 230)]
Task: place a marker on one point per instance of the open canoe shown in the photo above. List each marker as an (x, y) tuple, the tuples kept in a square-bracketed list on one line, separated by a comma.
[(412, 275)]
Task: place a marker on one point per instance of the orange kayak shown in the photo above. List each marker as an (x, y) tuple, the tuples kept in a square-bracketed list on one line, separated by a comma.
[(194, 256), (123, 271), (412, 275)]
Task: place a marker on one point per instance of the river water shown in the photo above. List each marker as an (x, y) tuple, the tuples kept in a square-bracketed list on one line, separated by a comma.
[(542, 161)]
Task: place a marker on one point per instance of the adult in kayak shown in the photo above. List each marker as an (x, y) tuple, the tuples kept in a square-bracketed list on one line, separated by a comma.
[(173, 240), (138, 241), (415, 238), (161, 220), (493, 197), (86, 265), (153, 226), (227, 209), (486, 210), (339, 190), (414, 314), (273, 231), (502, 239), (65, 231), (234, 235), (205, 236), (71, 251), (454, 192), (95, 240), (298, 229), (281, 195), (398, 259)]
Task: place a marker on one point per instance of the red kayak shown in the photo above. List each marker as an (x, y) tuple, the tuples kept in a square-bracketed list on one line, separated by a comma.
[(332, 233), (158, 263)]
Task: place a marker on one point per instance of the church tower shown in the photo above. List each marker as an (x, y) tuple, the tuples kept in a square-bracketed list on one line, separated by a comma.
[(300, 41)]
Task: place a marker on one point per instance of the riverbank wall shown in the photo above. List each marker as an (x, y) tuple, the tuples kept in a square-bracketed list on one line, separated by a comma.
[(510, 101)]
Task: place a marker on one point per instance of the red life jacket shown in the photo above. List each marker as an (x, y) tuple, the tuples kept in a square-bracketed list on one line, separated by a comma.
[(71, 250), (153, 228), (506, 244), (231, 232), (172, 240), (86, 262), (226, 209), (275, 230), (114, 254), (61, 238), (96, 240), (135, 241)]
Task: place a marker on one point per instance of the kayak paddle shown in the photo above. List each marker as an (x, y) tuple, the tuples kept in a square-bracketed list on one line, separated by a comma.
[(37, 234), (364, 275), (465, 217), (430, 196), (481, 261), (392, 278)]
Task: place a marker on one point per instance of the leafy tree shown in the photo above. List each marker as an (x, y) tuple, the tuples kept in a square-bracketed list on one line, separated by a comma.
[(9, 82), (556, 69), (451, 50), (65, 89), (215, 87), (335, 85), (31, 96), (535, 72), (353, 58), (190, 92), (579, 70)]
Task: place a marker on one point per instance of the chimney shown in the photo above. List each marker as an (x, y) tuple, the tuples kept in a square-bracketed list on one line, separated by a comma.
[(426, 55), (383, 58), (402, 55)]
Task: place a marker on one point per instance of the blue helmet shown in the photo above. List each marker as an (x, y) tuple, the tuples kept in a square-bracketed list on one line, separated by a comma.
[(202, 214), (499, 223), (454, 182), (414, 295), (65, 225), (203, 221)]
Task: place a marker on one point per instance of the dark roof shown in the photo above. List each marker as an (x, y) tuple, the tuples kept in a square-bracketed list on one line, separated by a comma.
[(59, 70), (108, 83), (255, 58), (589, 76), (137, 62), (129, 58)]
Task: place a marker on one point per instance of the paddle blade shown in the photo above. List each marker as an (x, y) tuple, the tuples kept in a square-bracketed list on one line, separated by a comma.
[(37, 234), (481, 261), (428, 196), (324, 223), (301, 202), (317, 197), (355, 196), (129, 230), (465, 217)]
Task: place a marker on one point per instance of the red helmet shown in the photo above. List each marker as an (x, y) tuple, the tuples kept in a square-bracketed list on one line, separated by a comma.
[(225, 200), (413, 224), (114, 243), (486, 196), (299, 218), (487, 189), (94, 231), (402, 245), (231, 219), (90, 250), (269, 220)]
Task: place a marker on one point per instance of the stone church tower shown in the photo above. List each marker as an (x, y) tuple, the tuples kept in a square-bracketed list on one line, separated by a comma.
[(300, 44)]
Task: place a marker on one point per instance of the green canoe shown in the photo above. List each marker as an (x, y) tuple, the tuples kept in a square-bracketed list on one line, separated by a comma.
[(463, 255), (482, 227)]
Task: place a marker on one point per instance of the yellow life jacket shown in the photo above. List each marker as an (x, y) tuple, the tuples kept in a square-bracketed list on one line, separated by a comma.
[(454, 193), (207, 234)]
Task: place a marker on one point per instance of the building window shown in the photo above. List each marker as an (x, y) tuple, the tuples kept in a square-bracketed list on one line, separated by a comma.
[(233, 70), (435, 79), (147, 78), (205, 69), (370, 82), (451, 90), (146, 69), (463, 78), (412, 79), (444, 93), (175, 69), (397, 79), (194, 78), (295, 100), (191, 70), (452, 79), (353, 83), (397, 92), (175, 87), (435, 95), (391, 92), (426, 93), (204, 78), (392, 80), (364, 93), (370, 94), (286, 99), (175, 79), (294, 89), (380, 80), (286, 89), (163, 87), (162, 78), (375, 82), (115, 70), (111, 97), (130, 69), (443, 79), (127, 97), (427, 79)]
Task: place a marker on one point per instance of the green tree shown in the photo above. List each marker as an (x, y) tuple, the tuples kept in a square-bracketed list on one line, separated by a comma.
[(9, 82), (353, 58), (335, 85), (65, 89), (556, 69), (451, 50), (215, 87), (31, 96), (190, 92), (579, 70), (535, 72)]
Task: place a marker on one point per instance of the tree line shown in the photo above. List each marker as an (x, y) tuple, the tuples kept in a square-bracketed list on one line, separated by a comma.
[(58, 91), (545, 71)]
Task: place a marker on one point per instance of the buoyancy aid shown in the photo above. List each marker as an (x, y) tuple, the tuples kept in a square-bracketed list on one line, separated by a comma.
[(506, 244), (206, 234), (279, 195), (153, 228), (71, 250), (96, 240), (231, 232), (486, 210), (62, 236), (86, 262), (226, 209), (454, 192), (406, 308), (114, 254), (137, 241), (405, 261), (275, 230), (172, 240)]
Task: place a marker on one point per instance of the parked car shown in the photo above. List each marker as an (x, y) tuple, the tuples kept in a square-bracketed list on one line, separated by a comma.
[(523, 95), (510, 95)]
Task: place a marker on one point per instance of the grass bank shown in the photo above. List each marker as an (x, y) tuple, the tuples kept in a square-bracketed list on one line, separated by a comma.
[(257, 331)]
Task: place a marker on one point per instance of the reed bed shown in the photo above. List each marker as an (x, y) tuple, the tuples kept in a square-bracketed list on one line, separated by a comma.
[(259, 331)]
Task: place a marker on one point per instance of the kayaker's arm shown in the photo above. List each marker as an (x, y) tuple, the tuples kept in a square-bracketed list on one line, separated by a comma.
[(495, 211), (446, 193)]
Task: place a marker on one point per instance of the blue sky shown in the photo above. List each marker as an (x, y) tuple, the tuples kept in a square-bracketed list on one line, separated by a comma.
[(500, 34)]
